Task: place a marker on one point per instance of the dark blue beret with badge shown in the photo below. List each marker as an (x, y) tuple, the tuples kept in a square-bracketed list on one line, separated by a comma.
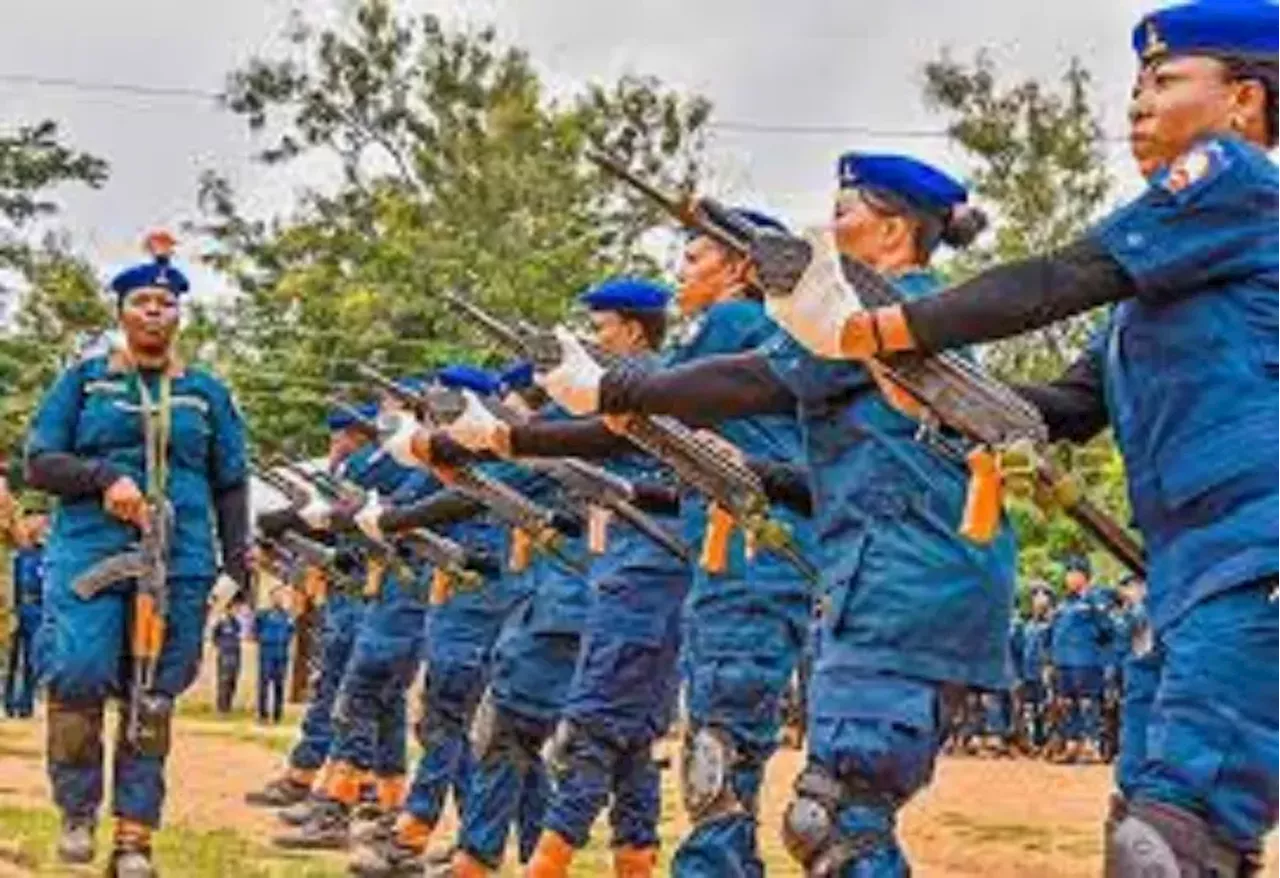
[(1245, 29), (157, 273), (919, 186), (626, 294), (461, 377)]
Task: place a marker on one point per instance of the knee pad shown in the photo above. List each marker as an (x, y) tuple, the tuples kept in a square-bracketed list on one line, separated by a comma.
[(155, 718), (811, 825), (434, 728), (557, 753), (706, 775), (493, 736), (1146, 838), (343, 715), (75, 733)]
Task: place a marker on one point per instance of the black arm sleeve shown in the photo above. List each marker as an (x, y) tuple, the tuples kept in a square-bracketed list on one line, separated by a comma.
[(231, 508), (784, 483), (442, 507), (68, 476), (1073, 406), (655, 498), (584, 438), (1016, 298), (700, 393)]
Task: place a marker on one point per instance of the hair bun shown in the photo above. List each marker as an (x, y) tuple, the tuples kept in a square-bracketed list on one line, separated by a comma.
[(963, 224)]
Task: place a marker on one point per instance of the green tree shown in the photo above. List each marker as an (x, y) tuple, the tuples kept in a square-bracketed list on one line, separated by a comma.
[(1037, 162), (1037, 156), (51, 297), (455, 168)]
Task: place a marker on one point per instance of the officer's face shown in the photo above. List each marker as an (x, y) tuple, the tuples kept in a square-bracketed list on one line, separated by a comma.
[(869, 233), (1040, 603), (616, 334), (341, 444), (1077, 581), (1177, 101), (149, 319), (707, 274)]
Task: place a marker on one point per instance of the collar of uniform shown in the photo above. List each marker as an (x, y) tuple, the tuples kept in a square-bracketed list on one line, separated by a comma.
[(119, 362)]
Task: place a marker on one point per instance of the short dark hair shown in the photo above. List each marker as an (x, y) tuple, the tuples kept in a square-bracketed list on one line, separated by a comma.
[(653, 324)]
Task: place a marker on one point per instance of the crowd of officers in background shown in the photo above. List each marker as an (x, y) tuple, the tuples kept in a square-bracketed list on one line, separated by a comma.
[(1068, 648)]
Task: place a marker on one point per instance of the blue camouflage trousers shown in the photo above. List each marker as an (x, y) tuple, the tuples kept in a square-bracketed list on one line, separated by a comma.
[(341, 621), (228, 678), (509, 784), (370, 711), (534, 661), (1082, 689), (82, 658), (1199, 727), (744, 642), (879, 735), (451, 691), (20, 678)]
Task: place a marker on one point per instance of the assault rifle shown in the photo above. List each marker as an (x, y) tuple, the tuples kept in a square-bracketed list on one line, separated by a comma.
[(598, 488), (534, 526), (949, 389), (736, 494), (148, 566)]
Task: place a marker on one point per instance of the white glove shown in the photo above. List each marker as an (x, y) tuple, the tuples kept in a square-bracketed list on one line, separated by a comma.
[(575, 383), (477, 428), (367, 518), (224, 589), (398, 430), (317, 513), (821, 303)]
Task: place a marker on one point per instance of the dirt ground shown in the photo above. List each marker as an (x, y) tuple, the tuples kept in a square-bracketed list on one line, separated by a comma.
[(981, 817)]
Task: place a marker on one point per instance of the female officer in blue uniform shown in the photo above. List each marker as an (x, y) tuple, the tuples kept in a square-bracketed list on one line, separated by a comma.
[(622, 693), (912, 612), (1185, 372), (115, 435)]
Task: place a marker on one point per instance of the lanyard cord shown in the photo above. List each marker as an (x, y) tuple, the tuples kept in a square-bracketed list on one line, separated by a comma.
[(156, 424)]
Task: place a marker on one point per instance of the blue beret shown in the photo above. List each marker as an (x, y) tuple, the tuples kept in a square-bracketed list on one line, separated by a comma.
[(517, 376), (156, 273), (468, 378), (626, 293), (1240, 28), (1077, 562), (342, 418), (760, 220), (921, 186)]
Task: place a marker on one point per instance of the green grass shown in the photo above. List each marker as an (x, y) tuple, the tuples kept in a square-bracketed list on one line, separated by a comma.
[(27, 838)]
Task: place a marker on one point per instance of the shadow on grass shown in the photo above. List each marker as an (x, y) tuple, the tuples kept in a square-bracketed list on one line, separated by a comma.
[(27, 838), (1043, 839)]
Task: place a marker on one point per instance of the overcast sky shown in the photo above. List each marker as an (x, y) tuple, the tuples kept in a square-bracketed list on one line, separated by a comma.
[(763, 62)]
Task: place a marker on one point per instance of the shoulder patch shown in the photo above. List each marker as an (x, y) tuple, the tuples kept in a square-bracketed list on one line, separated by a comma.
[(1197, 164)]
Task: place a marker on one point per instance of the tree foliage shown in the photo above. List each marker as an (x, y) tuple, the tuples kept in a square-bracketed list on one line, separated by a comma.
[(456, 168), (51, 296), (1037, 161)]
